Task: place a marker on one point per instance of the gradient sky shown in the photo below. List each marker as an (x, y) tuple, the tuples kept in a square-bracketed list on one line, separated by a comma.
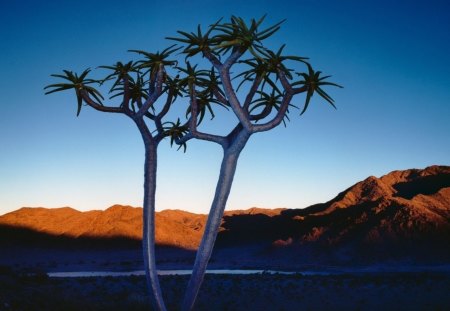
[(392, 57)]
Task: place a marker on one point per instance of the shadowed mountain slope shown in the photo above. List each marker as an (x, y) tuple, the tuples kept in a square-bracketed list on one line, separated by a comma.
[(404, 214)]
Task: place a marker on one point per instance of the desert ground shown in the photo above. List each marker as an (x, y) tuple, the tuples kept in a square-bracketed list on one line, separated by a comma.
[(25, 284), (366, 291)]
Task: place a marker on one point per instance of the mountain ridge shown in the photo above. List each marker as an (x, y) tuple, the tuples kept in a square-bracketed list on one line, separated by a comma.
[(403, 210)]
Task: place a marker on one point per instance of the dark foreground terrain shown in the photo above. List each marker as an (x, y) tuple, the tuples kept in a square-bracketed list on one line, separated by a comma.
[(381, 291)]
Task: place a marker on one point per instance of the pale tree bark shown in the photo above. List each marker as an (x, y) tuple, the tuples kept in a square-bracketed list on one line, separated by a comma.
[(148, 229), (230, 159), (148, 239), (233, 144), (150, 170)]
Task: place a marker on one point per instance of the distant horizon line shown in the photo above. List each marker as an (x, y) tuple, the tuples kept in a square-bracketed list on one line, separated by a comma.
[(140, 207)]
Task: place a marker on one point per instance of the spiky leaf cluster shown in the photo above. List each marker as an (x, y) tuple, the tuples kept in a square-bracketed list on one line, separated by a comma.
[(314, 83), (236, 34), (203, 86), (261, 71), (175, 131), (222, 37), (137, 91), (152, 61), (131, 81), (78, 83)]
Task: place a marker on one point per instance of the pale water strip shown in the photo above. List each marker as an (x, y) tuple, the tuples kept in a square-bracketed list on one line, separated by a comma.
[(78, 274), (445, 268)]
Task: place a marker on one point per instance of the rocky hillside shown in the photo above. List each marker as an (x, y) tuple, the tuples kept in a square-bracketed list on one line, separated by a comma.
[(174, 227), (402, 214)]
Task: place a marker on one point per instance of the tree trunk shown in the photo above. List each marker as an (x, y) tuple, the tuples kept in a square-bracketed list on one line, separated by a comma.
[(148, 239), (227, 171)]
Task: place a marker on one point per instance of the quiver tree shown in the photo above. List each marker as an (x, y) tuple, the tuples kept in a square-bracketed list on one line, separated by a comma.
[(146, 93), (257, 84)]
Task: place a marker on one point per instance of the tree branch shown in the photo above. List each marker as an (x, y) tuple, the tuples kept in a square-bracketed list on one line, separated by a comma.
[(194, 109), (289, 93), (96, 106), (147, 114), (213, 59), (233, 58), (166, 106), (263, 114), (126, 95), (284, 81), (192, 124), (220, 97), (202, 136), (154, 95), (287, 86), (158, 118), (145, 131), (224, 73), (299, 90), (278, 118), (252, 92), (240, 113)]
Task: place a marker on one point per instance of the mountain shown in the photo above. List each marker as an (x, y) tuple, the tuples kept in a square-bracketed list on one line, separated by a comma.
[(404, 214), (174, 227)]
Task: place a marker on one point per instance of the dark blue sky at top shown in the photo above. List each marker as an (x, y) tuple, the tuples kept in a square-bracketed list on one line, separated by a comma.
[(393, 113)]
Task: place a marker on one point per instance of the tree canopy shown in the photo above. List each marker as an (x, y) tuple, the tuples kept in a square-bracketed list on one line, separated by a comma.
[(227, 66)]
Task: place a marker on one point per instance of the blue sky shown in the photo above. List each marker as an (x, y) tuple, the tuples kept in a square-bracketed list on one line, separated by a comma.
[(394, 112)]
